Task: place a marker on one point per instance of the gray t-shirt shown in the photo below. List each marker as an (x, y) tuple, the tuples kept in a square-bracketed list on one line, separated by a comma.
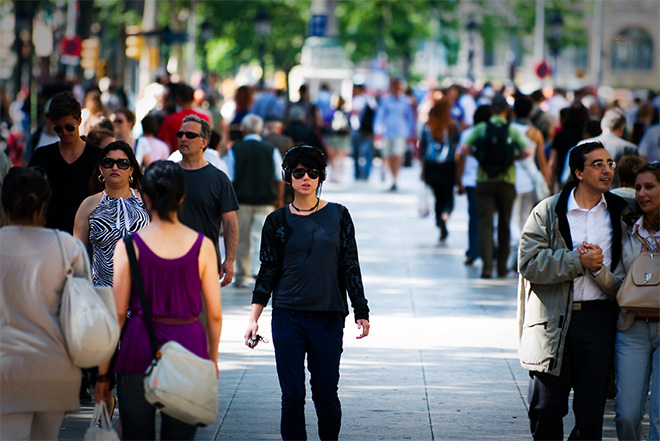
[(209, 194)]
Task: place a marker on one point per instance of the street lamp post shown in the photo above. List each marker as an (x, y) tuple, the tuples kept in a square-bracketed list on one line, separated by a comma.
[(471, 29), (262, 29), (556, 28)]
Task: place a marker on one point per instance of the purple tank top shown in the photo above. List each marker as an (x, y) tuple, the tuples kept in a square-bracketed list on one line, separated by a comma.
[(173, 289)]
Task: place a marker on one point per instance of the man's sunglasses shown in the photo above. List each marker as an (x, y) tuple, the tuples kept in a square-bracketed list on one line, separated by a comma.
[(68, 127), (122, 164), (189, 135), (299, 173)]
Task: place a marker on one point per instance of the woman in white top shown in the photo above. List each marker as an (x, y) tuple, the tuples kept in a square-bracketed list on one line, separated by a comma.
[(39, 383), (637, 344)]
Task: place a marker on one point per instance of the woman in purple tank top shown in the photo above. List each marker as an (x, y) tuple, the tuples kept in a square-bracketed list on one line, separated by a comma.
[(177, 264)]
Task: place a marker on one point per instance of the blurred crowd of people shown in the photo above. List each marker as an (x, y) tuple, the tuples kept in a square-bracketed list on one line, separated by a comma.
[(95, 144)]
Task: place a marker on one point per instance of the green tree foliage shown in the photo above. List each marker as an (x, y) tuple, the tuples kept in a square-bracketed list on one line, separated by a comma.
[(496, 22), (395, 27), (234, 41)]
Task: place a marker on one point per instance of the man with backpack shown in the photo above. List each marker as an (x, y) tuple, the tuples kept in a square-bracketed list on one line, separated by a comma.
[(495, 144)]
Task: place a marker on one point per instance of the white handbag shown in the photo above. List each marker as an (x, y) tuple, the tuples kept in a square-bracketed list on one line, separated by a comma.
[(178, 383), (88, 318)]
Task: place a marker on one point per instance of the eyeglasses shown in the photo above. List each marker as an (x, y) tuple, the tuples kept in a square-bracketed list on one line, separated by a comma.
[(68, 127), (122, 164), (299, 173), (601, 164), (189, 135)]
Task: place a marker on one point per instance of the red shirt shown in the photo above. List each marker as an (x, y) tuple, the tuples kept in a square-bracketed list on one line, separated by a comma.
[(172, 124)]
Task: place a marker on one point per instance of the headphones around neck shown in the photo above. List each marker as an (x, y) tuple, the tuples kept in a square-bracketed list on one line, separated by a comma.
[(286, 172)]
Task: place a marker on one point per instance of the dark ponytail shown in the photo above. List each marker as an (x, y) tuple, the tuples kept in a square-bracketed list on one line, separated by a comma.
[(164, 183)]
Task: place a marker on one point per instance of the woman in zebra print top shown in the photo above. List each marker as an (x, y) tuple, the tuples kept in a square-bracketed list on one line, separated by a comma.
[(115, 210)]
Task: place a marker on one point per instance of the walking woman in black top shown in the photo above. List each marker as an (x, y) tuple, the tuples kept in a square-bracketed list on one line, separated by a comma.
[(309, 262)]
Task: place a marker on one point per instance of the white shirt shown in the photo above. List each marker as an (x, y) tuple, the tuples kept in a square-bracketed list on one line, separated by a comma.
[(592, 226)]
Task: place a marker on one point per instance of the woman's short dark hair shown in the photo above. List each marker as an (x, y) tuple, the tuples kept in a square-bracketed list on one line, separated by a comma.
[(24, 192), (95, 186), (165, 185), (150, 125), (308, 156)]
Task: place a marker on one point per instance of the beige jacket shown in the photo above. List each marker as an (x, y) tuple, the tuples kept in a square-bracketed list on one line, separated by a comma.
[(36, 372), (547, 267)]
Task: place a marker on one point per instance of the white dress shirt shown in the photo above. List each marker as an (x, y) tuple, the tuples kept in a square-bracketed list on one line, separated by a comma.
[(592, 226)]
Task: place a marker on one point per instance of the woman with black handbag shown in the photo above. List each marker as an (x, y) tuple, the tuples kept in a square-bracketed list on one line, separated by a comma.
[(437, 149), (173, 281), (637, 345)]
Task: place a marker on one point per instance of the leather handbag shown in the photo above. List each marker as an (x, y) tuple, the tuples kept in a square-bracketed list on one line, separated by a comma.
[(178, 383), (640, 289), (88, 318)]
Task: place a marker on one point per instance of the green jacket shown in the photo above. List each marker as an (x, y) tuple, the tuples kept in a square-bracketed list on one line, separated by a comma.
[(547, 267)]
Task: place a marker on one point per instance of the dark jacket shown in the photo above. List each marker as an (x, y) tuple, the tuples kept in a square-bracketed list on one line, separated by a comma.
[(254, 173), (276, 233)]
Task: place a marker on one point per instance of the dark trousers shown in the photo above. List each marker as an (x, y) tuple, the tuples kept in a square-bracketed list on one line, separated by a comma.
[(320, 337), (494, 197), (138, 418), (444, 203), (473, 226), (585, 369)]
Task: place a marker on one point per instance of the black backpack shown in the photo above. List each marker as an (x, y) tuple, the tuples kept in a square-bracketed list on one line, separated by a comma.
[(495, 150), (367, 120)]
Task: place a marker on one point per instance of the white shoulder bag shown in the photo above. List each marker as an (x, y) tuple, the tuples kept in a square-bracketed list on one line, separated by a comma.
[(88, 318)]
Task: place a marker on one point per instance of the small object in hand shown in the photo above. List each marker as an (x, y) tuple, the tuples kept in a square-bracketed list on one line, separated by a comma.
[(253, 342)]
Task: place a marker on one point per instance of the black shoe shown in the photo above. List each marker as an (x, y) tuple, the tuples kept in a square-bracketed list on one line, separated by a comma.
[(469, 261), (393, 187), (487, 275)]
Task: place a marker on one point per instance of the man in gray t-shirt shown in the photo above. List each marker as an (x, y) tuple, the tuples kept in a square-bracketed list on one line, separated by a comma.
[(210, 202)]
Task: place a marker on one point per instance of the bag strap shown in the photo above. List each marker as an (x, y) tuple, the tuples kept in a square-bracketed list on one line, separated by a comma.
[(68, 269), (138, 281), (645, 243)]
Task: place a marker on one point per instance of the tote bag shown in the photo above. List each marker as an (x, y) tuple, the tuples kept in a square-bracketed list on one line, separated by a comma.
[(88, 318)]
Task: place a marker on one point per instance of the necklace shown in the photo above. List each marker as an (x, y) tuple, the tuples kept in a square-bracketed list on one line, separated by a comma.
[(311, 209)]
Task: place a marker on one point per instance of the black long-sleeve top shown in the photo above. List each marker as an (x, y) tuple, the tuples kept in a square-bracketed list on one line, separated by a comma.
[(282, 263)]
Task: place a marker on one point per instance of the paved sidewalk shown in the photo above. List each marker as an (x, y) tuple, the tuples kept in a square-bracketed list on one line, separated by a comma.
[(440, 362)]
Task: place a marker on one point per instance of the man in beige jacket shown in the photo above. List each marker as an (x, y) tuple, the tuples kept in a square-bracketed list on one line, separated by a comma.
[(570, 269)]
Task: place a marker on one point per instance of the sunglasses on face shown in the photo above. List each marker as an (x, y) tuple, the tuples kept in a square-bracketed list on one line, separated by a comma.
[(189, 135), (299, 173), (122, 164), (67, 127)]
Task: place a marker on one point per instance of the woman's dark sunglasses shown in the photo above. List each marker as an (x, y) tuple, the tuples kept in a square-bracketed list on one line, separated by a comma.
[(122, 164), (299, 173), (189, 135), (68, 127)]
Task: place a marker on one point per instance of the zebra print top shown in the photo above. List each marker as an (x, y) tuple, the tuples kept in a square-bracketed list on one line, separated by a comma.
[(111, 220)]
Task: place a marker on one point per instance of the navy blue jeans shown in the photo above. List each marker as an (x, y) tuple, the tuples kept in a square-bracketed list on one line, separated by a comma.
[(296, 334), (138, 418)]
